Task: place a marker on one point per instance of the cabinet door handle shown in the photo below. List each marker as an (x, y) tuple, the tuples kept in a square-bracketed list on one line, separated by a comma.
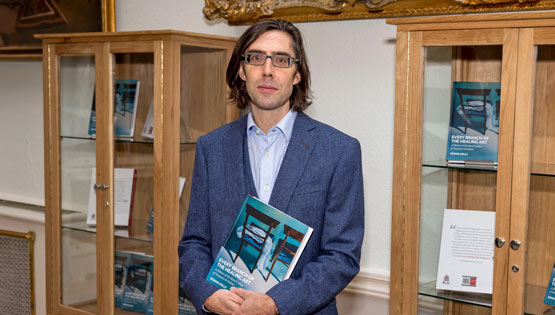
[(515, 244), (96, 186), (103, 187), (499, 242)]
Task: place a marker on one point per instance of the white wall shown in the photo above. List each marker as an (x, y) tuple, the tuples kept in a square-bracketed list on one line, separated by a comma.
[(353, 77)]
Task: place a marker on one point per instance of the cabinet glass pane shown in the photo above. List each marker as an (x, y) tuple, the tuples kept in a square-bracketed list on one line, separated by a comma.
[(78, 248), (133, 182), (203, 97), (468, 113), (540, 252)]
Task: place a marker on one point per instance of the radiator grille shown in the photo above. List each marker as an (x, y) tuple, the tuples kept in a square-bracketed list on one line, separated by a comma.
[(16, 273)]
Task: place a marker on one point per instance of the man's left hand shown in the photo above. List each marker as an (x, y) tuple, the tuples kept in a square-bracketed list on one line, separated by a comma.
[(254, 303)]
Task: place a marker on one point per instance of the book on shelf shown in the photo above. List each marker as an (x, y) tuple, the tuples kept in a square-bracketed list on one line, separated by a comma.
[(121, 260), (139, 283), (550, 292), (474, 124), (124, 189), (126, 96), (466, 251), (261, 249), (148, 129), (92, 119), (150, 223)]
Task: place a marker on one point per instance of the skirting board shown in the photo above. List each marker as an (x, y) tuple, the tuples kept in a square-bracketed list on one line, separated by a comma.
[(375, 284)]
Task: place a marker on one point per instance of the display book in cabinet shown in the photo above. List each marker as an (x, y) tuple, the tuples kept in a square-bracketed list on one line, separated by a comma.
[(518, 51), (180, 74)]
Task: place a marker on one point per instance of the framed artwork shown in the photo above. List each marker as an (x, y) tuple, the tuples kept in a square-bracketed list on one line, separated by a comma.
[(246, 12), (20, 20)]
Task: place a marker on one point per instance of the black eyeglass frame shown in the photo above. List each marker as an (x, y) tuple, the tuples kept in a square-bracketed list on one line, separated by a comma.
[(291, 60)]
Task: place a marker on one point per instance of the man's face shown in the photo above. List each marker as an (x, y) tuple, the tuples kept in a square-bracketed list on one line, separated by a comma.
[(269, 87)]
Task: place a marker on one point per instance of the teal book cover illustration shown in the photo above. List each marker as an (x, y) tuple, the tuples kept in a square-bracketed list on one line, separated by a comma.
[(121, 261), (139, 283), (261, 250), (550, 292), (474, 123)]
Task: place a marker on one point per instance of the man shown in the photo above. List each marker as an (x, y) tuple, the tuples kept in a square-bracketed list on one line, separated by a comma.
[(307, 169)]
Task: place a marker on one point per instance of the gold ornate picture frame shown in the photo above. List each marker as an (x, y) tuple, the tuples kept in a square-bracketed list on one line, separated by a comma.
[(249, 11), (20, 20)]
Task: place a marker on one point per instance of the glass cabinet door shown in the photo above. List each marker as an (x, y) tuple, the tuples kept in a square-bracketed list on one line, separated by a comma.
[(132, 91), (78, 241), (532, 250), (465, 119)]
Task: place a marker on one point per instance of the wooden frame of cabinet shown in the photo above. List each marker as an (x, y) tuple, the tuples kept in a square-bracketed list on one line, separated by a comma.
[(208, 108), (525, 152)]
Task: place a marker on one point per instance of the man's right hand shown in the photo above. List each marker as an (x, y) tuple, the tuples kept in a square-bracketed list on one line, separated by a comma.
[(223, 302)]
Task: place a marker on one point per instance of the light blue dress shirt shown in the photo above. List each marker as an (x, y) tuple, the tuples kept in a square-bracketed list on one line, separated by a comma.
[(266, 152)]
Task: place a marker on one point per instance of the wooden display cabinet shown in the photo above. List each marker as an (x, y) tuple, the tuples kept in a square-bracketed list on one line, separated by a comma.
[(517, 50), (183, 76)]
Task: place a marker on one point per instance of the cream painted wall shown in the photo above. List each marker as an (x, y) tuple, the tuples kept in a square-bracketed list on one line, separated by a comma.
[(353, 78)]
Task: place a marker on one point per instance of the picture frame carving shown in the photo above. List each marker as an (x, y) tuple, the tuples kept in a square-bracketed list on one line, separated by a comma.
[(20, 20), (250, 11)]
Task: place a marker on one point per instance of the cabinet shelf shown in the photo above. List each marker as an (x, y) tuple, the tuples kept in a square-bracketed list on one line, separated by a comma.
[(118, 232), (126, 140), (537, 169), (478, 299), (443, 164)]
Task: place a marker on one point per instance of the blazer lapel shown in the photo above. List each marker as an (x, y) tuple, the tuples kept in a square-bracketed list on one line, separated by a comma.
[(294, 162), (234, 163)]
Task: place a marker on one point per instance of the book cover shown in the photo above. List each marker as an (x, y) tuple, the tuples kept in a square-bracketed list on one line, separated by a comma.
[(124, 189), (126, 95), (261, 250), (150, 223), (550, 292), (139, 283), (92, 119), (466, 251), (148, 129), (121, 260), (474, 123)]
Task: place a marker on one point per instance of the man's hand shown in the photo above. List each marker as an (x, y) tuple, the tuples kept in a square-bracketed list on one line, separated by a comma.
[(254, 303), (223, 302)]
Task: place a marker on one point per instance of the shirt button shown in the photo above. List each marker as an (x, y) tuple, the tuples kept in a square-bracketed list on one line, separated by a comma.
[(267, 154), (266, 187), (257, 131)]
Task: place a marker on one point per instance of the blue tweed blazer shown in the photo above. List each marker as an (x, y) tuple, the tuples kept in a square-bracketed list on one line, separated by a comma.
[(319, 183)]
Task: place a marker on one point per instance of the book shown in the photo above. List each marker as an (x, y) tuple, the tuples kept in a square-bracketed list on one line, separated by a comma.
[(474, 123), (139, 283), (126, 96), (550, 292), (466, 251), (148, 129), (92, 119), (121, 261), (261, 249), (150, 223), (124, 188)]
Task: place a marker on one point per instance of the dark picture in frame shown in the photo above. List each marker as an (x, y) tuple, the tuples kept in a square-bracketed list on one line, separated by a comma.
[(20, 20)]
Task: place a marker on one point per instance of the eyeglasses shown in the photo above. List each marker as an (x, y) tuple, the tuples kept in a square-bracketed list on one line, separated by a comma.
[(280, 61)]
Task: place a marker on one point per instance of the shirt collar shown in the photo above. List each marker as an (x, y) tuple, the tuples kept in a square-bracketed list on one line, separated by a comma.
[(285, 125)]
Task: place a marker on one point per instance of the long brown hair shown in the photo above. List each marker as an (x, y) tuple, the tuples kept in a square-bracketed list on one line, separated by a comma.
[(301, 97)]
